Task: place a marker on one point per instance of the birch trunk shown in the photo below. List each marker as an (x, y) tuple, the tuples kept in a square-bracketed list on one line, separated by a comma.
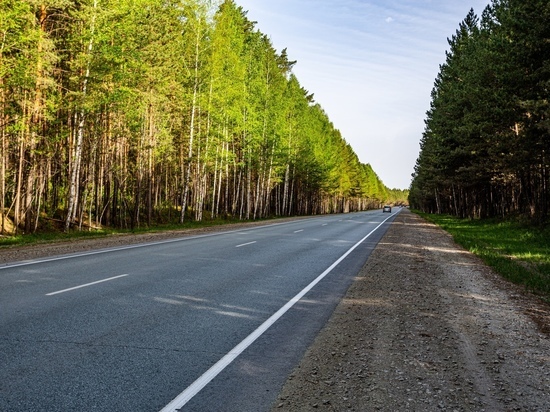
[(291, 197), (203, 171), (214, 201), (18, 186), (220, 181), (286, 189), (257, 196), (191, 130), (4, 145), (4, 120), (34, 123), (3, 166), (227, 181), (77, 155), (267, 202), (150, 171), (248, 184)]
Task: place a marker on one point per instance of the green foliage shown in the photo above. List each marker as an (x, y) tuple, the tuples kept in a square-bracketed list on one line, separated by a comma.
[(140, 111), (484, 149), (519, 252)]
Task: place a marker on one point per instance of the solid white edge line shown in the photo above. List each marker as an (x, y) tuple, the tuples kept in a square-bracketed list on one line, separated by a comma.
[(179, 401), (85, 285)]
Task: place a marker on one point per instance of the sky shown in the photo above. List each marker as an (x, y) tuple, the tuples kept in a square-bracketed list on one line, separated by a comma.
[(371, 65)]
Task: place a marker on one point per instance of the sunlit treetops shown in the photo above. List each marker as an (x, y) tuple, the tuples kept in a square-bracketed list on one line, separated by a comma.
[(140, 112)]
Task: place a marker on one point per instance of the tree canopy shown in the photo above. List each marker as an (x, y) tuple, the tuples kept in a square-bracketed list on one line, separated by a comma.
[(140, 112), (484, 151)]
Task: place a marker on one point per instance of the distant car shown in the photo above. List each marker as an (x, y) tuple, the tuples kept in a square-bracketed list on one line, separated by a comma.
[(386, 209)]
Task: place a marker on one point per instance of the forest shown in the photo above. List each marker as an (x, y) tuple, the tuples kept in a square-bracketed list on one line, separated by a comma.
[(132, 113), (486, 144)]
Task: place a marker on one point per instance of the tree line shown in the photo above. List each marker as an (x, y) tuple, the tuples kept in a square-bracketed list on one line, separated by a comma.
[(142, 112), (486, 145)]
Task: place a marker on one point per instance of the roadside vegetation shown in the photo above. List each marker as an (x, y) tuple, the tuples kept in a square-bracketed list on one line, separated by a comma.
[(484, 151), (120, 113), (483, 172), (516, 250)]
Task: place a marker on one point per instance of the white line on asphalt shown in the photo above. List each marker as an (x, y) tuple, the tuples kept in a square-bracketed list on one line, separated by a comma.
[(83, 286), (245, 244), (160, 242), (298, 231), (179, 401)]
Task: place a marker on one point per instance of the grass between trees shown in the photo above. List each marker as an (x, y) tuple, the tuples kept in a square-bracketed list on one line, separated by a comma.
[(517, 251)]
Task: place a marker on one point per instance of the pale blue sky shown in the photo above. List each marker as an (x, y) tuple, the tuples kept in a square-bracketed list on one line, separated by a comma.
[(371, 65)]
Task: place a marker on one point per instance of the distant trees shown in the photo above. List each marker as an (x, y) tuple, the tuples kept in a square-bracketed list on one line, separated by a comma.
[(138, 112), (484, 151)]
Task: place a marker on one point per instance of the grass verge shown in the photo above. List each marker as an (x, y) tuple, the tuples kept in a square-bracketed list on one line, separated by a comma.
[(60, 236), (518, 252)]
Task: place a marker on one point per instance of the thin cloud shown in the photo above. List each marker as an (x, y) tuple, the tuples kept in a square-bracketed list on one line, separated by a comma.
[(371, 65)]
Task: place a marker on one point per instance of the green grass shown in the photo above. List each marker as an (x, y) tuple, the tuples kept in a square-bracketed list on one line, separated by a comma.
[(520, 253)]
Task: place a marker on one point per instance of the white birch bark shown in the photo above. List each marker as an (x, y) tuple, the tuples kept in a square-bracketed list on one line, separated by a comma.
[(191, 129), (77, 156)]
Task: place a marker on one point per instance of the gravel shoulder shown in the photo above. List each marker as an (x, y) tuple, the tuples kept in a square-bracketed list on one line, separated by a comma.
[(426, 327)]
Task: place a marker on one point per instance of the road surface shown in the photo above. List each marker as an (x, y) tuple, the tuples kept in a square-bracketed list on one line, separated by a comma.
[(202, 323)]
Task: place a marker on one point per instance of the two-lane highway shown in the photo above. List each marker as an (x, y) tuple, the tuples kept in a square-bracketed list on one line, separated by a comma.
[(202, 323)]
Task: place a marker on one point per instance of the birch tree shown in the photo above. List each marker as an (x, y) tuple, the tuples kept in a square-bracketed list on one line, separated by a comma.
[(76, 153), (120, 113)]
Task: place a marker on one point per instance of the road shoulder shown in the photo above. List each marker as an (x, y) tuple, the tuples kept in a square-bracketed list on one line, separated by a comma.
[(426, 326)]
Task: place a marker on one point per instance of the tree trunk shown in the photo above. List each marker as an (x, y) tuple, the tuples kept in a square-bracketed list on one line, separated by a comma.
[(191, 128), (77, 155)]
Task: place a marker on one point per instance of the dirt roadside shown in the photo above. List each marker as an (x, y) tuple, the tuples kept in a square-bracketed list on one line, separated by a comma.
[(426, 327)]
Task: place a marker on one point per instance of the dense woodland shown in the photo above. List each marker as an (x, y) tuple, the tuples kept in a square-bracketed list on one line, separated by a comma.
[(486, 145), (126, 113)]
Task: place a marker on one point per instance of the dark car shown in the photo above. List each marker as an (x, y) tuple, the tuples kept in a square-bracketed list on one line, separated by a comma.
[(386, 209)]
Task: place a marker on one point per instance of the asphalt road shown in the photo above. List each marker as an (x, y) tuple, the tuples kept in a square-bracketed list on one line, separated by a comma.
[(206, 323)]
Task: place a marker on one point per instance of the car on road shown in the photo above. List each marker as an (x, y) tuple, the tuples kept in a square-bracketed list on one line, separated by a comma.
[(386, 208)]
